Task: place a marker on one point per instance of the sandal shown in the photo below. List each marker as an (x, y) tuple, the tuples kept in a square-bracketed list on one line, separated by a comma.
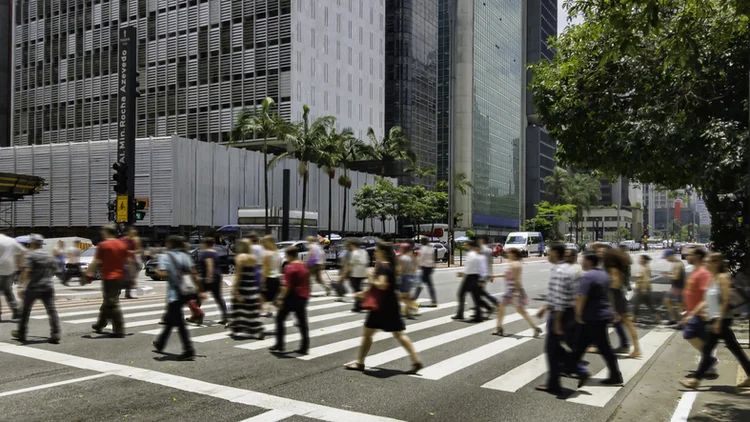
[(690, 383), (355, 366), (499, 332), (537, 332), (635, 355), (415, 367)]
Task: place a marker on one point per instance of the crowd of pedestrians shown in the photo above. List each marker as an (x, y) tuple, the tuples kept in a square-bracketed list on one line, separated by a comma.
[(583, 300)]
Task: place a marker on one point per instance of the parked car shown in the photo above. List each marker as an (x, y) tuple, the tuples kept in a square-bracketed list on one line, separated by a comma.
[(631, 245), (226, 258), (87, 257), (301, 246), (441, 252)]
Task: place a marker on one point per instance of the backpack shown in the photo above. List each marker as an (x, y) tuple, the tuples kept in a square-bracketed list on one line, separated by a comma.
[(185, 283)]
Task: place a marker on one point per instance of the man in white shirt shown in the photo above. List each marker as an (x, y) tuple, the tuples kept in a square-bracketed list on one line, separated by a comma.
[(426, 260), (490, 260), (356, 268), (11, 257), (475, 269), (315, 262)]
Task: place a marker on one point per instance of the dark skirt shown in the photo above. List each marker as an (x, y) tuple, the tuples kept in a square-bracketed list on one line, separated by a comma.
[(621, 303), (388, 316), (271, 289)]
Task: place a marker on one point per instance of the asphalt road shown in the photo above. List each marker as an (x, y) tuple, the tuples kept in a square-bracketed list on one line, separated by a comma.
[(469, 375)]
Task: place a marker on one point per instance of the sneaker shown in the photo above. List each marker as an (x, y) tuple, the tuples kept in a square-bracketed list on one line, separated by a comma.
[(17, 335), (54, 340), (97, 329), (157, 348), (613, 381), (186, 356)]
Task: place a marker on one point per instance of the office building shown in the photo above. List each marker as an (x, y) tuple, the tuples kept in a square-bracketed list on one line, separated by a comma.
[(541, 18), (200, 63), (411, 54), (6, 72), (480, 123)]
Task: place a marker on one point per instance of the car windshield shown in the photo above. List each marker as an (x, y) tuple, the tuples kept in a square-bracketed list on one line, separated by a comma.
[(89, 252), (516, 240)]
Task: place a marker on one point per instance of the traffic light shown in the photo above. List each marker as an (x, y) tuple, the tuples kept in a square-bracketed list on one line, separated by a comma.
[(139, 207), (120, 177), (137, 83)]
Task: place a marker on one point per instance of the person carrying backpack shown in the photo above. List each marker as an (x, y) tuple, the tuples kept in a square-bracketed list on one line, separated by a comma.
[(177, 268)]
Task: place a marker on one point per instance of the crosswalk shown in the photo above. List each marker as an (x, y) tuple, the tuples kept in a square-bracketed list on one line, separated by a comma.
[(506, 365)]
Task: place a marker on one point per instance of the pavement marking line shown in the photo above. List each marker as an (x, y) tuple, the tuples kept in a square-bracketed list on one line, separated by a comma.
[(96, 311), (682, 412), (51, 385), (439, 340), (190, 385), (599, 395), (257, 345), (519, 376), (270, 416), (135, 315), (464, 360)]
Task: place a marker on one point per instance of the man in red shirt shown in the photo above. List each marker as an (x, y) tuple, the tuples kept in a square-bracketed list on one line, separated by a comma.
[(293, 298), (111, 255), (692, 295)]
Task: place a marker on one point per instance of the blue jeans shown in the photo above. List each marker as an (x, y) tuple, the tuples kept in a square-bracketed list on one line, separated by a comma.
[(427, 280)]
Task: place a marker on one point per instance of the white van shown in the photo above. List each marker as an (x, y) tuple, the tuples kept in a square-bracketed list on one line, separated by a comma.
[(528, 243)]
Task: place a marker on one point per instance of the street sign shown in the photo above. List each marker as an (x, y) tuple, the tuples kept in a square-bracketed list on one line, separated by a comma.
[(122, 208)]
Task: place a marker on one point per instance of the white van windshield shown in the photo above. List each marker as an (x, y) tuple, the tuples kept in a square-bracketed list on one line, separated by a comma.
[(516, 240)]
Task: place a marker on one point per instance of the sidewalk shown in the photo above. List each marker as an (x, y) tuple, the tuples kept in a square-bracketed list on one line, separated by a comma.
[(659, 397)]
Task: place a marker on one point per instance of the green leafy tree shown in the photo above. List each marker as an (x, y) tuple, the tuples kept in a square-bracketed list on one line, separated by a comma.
[(367, 205), (655, 91), (329, 157), (266, 123), (542, 225), (584, 192), (303, 142), (391, 149), (558, 185), (377, 201), (555, 214), (624, 234), (352, 150)]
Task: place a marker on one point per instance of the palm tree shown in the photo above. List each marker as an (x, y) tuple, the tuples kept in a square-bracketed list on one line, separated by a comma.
[(394, 147), (328, 158), (303, 143), (558, 184), (584, 192), (268, 124), (352, 150), (461, 183)]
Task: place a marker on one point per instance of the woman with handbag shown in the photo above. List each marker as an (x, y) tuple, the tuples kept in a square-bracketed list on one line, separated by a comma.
[(385, 313), (246, 305), (173, 266)]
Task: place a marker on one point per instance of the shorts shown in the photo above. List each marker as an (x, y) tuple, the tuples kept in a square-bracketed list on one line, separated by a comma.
[(675, 295), (407, 282), (695, 328)]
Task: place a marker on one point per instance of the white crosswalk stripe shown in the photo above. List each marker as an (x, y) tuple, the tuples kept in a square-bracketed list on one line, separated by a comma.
[(336, 331)]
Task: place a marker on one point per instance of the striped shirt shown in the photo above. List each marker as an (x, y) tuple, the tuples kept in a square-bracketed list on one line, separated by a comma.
[(562, 288)]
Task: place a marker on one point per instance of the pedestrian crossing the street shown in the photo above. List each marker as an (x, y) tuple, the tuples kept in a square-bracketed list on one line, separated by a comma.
[(511, 364)]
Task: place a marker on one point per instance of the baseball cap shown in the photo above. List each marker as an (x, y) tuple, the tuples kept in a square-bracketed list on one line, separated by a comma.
[(668, 253), (36, 238)]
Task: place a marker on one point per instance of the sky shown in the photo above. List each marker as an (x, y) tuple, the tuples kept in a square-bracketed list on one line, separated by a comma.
[(562, 17)]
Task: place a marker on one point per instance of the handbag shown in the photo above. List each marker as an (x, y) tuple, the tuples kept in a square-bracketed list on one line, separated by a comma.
[(185, 283), (373, 296)]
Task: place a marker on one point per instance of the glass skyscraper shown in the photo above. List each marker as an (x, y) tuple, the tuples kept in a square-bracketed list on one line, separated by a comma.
[(480, 70), (411, 55)]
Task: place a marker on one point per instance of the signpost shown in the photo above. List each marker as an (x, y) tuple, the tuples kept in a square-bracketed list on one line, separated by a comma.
[(126, 95)]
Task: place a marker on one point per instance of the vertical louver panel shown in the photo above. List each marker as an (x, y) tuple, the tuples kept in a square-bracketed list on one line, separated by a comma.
[(162, 180), (100, 158), (260, 30), (24, 165), (221, 185), (203, 14), (192, 17), (226, 120), (162, 52), (132, 9), (237, 39), (41, 201), (60, 184), (226, 10), (215, 12), (96, 18), (214, 39), (203, 185), (182, 19)]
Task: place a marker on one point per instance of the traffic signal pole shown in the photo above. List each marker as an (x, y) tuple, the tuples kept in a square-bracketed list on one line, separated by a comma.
[(126, 96)]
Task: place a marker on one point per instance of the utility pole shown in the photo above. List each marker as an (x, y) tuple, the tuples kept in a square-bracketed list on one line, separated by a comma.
[(619, 205), (453, 12)]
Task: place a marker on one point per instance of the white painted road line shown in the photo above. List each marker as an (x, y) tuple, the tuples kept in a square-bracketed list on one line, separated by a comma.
[(464, 360), (126, 316), (432, 342), (275, 415), (682, 412), (235, 395), (599, 395), (519, 376), (54, 384), (257, 345)]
